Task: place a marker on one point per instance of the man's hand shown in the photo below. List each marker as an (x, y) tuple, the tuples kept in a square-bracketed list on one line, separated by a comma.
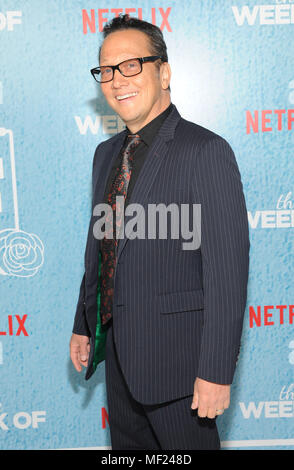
[(211, 399), (79, 351)]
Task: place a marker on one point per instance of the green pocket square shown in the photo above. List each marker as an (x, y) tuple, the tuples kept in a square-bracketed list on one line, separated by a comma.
[(100, 338)]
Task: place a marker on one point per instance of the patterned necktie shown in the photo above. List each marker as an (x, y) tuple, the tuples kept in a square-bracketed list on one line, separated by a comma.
[(109, 245)]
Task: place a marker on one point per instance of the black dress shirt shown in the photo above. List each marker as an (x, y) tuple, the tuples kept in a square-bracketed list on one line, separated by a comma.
[(147, 134)]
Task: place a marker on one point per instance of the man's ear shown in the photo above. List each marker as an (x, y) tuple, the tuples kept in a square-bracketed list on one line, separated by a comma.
[(165, 75)]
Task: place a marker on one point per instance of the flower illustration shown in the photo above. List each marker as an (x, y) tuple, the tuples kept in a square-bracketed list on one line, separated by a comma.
[(21, 253)]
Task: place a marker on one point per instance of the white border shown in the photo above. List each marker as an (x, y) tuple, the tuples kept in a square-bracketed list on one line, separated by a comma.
[(258, 443), (224, 444)]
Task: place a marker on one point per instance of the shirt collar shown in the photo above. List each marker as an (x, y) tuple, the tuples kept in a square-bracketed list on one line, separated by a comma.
[(148, 132)]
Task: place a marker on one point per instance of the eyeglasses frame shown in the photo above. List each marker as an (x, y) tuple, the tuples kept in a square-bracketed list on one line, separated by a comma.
[(142, 60)]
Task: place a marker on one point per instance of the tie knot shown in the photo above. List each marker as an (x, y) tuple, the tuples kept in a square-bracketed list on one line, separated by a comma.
[(133, 137), (131, 142)]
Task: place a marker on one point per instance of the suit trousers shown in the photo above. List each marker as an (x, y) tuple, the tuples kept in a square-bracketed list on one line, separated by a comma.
[(135, 426)]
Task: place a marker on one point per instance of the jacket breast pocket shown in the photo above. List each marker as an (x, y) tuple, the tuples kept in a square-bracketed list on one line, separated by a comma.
[(181, 301)]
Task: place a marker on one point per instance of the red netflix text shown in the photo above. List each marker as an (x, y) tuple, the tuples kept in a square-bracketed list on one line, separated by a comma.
[(104, 416), (270, 315), (269, 120), (94, 20), (14, 326)]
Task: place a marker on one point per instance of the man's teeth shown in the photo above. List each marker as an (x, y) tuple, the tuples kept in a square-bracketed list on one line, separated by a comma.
[(121, 97)]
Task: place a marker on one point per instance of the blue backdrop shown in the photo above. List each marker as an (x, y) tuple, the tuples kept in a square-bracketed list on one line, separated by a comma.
[(232, 64)]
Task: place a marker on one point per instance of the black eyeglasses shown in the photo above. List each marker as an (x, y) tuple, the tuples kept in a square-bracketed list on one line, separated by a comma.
[(128, 68)]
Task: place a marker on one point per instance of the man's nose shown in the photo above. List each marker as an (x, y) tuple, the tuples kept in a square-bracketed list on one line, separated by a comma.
[(118, 79)]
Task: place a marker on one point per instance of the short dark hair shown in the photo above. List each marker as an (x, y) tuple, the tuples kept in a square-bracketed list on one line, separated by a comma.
[(154, 33), (122, 22)]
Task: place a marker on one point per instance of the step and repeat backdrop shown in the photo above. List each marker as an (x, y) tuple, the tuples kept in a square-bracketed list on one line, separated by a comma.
[(232, 66)]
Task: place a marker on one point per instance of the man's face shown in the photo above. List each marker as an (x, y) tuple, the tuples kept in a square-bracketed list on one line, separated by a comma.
[(150, 85)]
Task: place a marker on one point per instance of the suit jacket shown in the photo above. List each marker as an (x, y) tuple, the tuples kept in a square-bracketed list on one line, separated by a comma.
[(177, 314)]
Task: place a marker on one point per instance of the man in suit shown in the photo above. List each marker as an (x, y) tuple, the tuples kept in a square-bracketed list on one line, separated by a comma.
[(171, 317)]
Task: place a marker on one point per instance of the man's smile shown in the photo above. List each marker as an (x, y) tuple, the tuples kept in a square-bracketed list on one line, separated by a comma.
[(126, 96)]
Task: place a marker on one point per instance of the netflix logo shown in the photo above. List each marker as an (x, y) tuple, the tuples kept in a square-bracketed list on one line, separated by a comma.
[(94, 20), (104, 417), (269, 120), (14, 326), (270, 315)]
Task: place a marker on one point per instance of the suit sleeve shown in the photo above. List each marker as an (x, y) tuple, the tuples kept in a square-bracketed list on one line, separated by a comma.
[(80, 326), (225, 258)]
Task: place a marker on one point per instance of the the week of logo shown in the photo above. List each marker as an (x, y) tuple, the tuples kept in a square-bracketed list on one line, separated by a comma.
[(21, 419), (9, 20), (280, 217), (265, 15), (282, 407), (107, 124)]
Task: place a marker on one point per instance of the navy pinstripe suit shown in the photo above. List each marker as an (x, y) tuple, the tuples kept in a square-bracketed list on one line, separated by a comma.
[(177, 313)]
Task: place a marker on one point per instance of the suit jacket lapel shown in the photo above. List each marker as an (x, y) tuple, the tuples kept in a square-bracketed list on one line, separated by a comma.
[(103, 175), (99, 190), (152, 163)]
